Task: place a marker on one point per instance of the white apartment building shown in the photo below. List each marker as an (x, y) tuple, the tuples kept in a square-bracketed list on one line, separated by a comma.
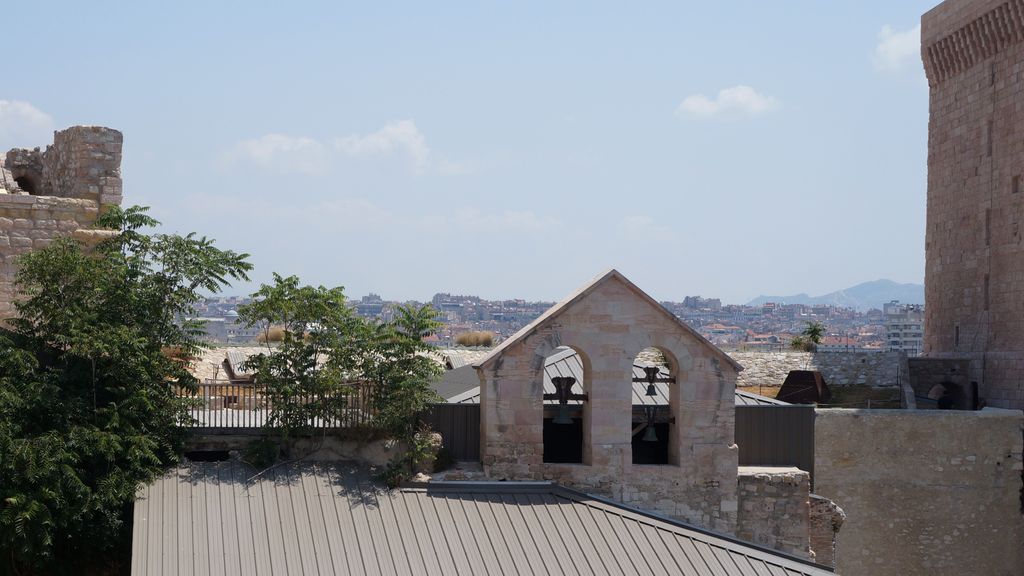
[(904, 327)]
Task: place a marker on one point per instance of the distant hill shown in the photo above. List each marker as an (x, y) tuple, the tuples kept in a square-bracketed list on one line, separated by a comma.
[(860, 297)]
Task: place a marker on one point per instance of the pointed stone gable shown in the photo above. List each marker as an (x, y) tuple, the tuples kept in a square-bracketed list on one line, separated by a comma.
[(612, 275), (608, 323)]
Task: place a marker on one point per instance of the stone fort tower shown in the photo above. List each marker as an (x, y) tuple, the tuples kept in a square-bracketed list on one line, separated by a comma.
[(973, 52), (59, 191)]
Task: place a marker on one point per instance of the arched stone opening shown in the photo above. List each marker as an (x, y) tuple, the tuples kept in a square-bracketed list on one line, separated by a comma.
[(28, 184), (948, 396), (654, 411), (566, 377)]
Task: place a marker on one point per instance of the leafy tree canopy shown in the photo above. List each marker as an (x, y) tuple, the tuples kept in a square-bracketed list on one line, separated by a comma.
[(88, 380)]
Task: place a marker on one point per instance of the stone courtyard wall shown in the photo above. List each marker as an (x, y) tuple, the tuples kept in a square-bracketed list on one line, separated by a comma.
[(839, 368), (925, 492), (73, 179)]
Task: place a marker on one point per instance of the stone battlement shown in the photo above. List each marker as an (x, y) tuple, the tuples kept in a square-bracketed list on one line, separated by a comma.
[(956, 36)]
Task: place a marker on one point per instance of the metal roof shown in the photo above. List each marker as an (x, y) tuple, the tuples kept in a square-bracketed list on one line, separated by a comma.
[(306, 518), (457, 388)]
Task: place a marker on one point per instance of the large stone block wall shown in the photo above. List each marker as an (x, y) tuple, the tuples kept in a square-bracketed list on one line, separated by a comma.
[(924, 492), (974, 250), (74, 178), (609, 326), (839, 368), (774, 509)]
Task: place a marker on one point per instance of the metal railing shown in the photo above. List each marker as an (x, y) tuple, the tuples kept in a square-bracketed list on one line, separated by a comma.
[(225, 404)]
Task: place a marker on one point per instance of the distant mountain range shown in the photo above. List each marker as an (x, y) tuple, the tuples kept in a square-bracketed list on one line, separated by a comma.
[(861, 297)]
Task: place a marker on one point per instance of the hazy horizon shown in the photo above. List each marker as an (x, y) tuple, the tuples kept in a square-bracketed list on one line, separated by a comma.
[(507, 151)]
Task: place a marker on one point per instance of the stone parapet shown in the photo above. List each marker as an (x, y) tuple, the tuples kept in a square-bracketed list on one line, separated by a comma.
[(838, 368)]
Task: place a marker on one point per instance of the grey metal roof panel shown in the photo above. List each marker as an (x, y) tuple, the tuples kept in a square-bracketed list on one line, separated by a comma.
[(315, 518)]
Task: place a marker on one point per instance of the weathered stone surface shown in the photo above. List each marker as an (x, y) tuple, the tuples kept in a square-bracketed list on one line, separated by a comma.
[(69, 182), (974, 250), (925, 492), (608, 324), (838, 368), (774, 508)]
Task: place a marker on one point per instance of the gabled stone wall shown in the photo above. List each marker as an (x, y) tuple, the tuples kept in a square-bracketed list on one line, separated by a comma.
[(608, 327)]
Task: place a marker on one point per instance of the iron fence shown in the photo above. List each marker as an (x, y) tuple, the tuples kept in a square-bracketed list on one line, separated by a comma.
[(224, 404)]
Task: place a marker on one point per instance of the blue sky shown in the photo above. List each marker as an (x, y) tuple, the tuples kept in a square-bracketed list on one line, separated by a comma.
[(507, 150)]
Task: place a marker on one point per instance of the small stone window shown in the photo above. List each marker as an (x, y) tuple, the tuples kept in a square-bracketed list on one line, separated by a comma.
[(1015, 184)]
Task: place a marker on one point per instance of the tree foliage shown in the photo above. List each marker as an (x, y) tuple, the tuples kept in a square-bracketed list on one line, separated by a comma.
[(88, 402), (326, 348), (318, 353), (810, 338)]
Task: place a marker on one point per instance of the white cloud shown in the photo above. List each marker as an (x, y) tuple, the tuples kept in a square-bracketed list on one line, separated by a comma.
[(896, 50), (283, 153), (22, 125), (645, 228), (401, 136), (310, 156), (734, 102)]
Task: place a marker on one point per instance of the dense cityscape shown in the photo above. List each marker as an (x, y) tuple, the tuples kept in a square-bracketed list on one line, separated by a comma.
[(769, 326)]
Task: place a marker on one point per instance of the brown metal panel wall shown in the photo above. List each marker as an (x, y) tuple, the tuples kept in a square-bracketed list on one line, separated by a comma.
[(459, 425), (776, 436)]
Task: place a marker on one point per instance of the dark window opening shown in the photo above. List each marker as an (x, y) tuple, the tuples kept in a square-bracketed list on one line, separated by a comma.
[(1015, 184), (563, 443), (26, 184), (650, 445), (956, 336), (652, 418), (564, 407)]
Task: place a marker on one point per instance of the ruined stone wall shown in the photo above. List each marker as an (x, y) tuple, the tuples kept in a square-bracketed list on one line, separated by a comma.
[(608, 327), (974, 274), (924, 492), (73, 179), (839, 368), (774, 508), (827, 519)]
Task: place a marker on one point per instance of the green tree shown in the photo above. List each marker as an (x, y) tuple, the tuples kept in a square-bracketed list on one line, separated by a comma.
[(810, 338), (325, 348), (320, 351), (399, 365), (89, 379)]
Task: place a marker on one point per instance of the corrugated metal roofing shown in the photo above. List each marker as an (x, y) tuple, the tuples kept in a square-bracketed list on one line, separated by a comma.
[(566, 362), (213, 518)]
